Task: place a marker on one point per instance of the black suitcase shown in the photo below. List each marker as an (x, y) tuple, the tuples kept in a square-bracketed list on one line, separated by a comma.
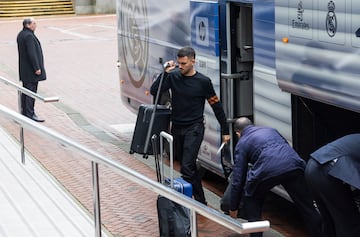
[(174, 219), (161, 123)]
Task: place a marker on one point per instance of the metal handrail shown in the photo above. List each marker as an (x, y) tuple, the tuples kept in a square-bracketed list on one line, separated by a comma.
[(28, 92), (96, 158), (23, 90)]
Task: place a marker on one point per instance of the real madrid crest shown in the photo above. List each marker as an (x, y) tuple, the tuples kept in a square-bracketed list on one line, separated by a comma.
[(331, 22)]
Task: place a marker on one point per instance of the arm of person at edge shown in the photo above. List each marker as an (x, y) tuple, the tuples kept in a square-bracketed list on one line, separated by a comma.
[(240, 168)]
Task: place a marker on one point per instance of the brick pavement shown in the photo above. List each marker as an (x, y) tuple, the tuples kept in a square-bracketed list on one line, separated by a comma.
[(80, 58)]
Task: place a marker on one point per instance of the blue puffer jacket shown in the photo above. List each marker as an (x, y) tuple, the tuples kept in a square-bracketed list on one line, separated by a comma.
[(269, 154)]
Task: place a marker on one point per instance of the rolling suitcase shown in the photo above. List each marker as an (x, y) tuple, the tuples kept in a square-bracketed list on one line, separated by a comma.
[(161, 123), (179, 184), (151, 119), (174, 219)]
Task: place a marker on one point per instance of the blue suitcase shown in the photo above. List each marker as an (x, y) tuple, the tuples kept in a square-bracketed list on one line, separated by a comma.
[(174, 219), (179, 184)]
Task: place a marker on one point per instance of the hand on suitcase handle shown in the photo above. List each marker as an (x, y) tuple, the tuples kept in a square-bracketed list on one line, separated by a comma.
[(226, 138), (233, 214), (170, 65)]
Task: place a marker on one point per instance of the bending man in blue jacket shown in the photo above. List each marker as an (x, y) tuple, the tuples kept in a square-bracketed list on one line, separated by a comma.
[(272, 162), (333, 174)]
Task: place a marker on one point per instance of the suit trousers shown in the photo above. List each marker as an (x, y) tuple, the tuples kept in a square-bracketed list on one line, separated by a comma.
[(27, 102), (294, 183), (335, 201), (187, 141)]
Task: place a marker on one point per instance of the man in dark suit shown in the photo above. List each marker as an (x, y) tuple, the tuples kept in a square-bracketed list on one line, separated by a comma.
[(333, 174), (31, 66)]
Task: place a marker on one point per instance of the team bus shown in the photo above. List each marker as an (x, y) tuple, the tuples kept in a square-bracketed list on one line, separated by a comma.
[(293, 65)]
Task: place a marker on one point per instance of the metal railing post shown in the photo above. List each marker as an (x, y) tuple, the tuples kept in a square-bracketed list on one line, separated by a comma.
[(22, 90), (193, 220), (22, 143), (96, 191)]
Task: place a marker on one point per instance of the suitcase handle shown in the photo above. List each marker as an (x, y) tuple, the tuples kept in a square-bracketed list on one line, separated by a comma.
[(148, 134), (154, 142), (169, 139)]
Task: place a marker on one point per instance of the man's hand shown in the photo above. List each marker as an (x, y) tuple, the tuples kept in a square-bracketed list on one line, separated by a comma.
[(226, 138), (170, 65), (233, 214), (38, 72)]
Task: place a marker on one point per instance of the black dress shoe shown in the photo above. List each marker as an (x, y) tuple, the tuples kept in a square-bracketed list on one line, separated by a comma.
[(37, 119)]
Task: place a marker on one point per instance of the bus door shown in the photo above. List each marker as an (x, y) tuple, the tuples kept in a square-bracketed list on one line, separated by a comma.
[(206, 24), (237, 65), (221, 34)]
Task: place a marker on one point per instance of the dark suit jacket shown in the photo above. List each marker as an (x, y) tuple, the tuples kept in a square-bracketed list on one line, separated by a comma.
[(30, 57), (347, 152)]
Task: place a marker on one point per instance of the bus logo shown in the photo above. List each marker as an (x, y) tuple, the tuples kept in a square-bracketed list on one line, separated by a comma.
[(331, 22), (134, 25), (202, 31), (300, 15), (298, 22)]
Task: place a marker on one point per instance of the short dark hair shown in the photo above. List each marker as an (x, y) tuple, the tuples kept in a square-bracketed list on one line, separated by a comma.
[(27, 21), (241, 123), (186, 52)]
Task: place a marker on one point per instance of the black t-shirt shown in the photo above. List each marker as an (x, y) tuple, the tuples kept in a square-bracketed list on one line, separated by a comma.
[(188, 98)]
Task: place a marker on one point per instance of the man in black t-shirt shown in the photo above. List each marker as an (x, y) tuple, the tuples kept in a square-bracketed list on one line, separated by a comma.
[(189, 90)]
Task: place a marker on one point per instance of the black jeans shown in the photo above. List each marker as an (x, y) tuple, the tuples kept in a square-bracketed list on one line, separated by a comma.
[(27, 102), (187, 141), (294, 183), (335, 201)]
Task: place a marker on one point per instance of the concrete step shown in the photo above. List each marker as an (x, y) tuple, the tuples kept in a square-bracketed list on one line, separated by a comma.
[(32, 202), (15, 8)]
